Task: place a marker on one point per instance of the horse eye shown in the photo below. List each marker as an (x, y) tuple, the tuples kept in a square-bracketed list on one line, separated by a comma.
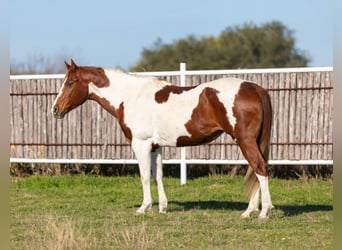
[(69, 84)]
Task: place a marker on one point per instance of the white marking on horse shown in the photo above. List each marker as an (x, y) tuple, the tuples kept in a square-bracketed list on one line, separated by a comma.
[(60, 92)]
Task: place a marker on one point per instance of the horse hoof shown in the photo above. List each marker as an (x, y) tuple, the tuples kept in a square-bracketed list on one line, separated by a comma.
[(264, 214), (162, 209), (245, 215), (138, 212), (262, 217), (143, 209)]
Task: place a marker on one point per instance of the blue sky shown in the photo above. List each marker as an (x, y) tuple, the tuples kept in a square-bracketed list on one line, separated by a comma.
[(113, 33)]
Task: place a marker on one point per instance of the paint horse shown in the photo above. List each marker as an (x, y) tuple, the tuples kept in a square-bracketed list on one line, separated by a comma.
[(152, 114)]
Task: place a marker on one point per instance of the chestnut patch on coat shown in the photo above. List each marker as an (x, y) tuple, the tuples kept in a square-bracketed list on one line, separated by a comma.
[(248, 110), (95, 75), (254, 115), (118, 113), (163, 94), (87, 74), (208, 120)]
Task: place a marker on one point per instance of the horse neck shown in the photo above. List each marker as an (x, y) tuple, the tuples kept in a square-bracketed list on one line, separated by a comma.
[(124, 88)]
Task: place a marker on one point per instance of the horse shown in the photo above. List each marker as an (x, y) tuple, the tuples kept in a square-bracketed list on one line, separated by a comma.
[(153, 113)]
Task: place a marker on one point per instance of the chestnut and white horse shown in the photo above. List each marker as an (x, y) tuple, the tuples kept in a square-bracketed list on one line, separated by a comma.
[(152, 113)]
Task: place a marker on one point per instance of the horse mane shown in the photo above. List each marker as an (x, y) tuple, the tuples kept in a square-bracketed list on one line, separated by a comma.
[(158, 82)]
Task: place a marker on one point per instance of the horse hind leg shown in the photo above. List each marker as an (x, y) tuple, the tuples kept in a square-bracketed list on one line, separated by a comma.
[(252, 205), (256, 161), (253, 191), (265, 196)]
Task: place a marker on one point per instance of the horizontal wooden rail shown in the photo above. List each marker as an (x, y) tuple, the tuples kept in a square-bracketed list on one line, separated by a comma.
[(170, 161), (126, 144)]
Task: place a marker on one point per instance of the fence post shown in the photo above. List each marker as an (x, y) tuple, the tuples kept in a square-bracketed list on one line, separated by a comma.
[(182, 69)]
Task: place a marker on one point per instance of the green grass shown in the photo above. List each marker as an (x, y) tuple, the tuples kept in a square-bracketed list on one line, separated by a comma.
[(83, 212)]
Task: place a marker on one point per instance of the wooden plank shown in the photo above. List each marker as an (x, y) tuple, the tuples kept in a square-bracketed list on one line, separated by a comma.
[(308, 118), (25, 118), (320, 119), (43, 110), (94, 138), (296, 98), (13, 115), (100, 152), (17, 122), (35, 119), (292, 117), (271, 85), (274, 100), (328, 128), (87, 131), (315, 116), (266, 82), (280, 118), (286, 118), (275, 125)]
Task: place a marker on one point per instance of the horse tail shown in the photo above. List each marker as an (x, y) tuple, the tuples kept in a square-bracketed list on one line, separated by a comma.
[(263, 141), (265, 133)]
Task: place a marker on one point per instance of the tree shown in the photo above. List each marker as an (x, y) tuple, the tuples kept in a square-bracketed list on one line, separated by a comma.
[(250, 46)]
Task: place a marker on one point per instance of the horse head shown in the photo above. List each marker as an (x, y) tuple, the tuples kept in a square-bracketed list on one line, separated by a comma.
[(75, 88), (74, 91)]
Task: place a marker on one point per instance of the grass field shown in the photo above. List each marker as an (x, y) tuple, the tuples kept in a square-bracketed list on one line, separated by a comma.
[(84, 212)]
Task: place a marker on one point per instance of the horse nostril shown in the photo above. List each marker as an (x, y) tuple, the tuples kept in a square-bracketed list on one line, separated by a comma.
[(55, 109)]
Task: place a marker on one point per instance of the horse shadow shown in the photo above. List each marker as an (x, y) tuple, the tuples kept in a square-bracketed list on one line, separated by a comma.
[(286, 210), (294, 210)]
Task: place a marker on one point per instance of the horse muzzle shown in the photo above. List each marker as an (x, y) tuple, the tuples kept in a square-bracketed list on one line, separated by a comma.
[(57, 113)]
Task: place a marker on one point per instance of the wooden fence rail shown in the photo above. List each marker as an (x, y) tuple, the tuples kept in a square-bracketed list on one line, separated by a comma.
[(302, 102)]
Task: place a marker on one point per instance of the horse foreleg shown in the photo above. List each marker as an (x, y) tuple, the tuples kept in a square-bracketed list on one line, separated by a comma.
[(142, 150), (157, 172)]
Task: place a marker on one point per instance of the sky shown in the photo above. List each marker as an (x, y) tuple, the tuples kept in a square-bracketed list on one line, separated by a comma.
[(114, 33)]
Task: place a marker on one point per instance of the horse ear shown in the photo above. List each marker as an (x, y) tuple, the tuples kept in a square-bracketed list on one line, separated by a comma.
[(67, 65), (73, 64)]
